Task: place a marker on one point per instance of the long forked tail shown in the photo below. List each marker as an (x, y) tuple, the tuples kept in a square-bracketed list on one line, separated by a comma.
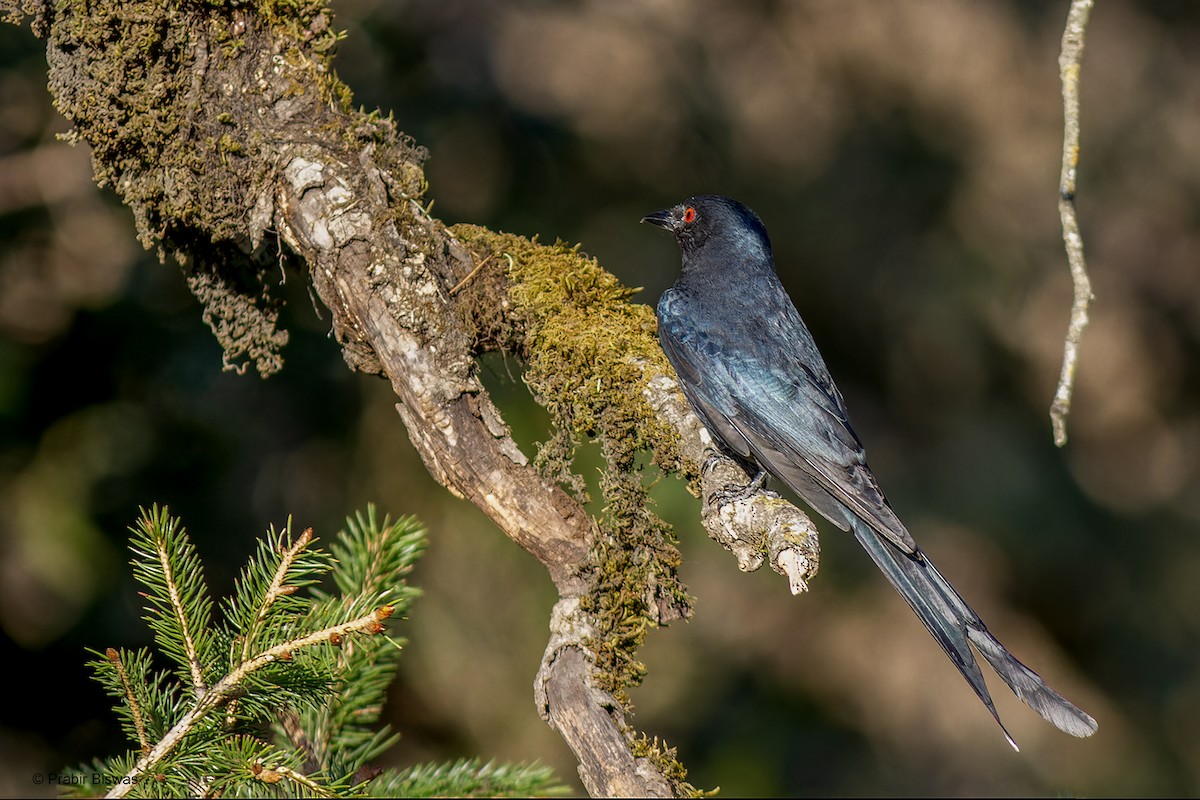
[(953, 624)]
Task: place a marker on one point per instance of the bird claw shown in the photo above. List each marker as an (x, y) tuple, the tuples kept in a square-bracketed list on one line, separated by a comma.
[(714, 459), (736, 494)]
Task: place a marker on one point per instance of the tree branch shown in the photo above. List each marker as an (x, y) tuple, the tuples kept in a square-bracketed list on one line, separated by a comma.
[(1069, 63), (226, 133)]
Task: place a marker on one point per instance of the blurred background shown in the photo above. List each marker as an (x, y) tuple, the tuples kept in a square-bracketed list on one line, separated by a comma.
[(905, 158)]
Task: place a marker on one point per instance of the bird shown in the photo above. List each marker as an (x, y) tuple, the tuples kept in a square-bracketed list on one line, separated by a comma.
[(752, 373)]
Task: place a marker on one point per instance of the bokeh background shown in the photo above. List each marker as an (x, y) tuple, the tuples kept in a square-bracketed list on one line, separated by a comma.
[(905, 158)]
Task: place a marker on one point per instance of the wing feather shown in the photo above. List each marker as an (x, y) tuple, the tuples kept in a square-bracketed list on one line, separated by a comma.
[(780, 408)]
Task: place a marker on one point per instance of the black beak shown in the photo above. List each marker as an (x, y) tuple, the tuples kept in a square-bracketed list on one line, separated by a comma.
[(666, 218)]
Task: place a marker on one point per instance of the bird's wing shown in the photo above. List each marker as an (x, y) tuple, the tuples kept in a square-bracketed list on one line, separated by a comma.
[(690, 353), (797, 427), (776, 403)]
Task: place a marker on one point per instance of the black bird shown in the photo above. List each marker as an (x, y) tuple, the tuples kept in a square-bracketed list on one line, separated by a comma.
[(752, 373)]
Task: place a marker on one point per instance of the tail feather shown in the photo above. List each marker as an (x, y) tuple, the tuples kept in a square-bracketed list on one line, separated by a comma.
[(953, 624)]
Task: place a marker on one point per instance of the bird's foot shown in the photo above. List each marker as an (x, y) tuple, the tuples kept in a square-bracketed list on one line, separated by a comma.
[(736, 494), (715, 459)]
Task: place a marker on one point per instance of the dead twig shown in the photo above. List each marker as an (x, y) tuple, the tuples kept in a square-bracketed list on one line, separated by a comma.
[(1069, 66)]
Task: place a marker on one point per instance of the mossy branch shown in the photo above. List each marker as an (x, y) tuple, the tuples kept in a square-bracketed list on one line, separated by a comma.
[(285, 168)]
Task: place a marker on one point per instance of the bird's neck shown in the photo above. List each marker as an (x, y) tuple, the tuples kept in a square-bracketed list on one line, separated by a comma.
[(727, 264)]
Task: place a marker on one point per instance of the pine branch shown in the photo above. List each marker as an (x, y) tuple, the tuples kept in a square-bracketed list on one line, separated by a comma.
[(372, 557), (468, 778), (279, 586), (165, 562), (229, 686), (324, 700), (265, 597), (281, 773), (135, 708), (266, 588)]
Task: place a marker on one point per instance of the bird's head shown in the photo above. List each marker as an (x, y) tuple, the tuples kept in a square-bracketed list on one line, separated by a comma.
[(707, 220)]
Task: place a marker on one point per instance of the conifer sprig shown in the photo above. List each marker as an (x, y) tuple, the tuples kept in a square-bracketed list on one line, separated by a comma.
[(266, 591), (282, 695), (179, 610)]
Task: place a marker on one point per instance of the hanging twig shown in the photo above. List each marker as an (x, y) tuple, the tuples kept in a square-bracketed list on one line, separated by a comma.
[(1069, 65), (458, 286)]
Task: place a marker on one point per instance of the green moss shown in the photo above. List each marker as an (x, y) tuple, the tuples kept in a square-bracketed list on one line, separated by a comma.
[(228, 144), (135, 98), (587, 348), (588, 351), (163, 93), (667, 763)]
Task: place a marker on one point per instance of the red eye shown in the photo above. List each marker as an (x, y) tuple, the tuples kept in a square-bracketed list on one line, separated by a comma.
[(689, 216)]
